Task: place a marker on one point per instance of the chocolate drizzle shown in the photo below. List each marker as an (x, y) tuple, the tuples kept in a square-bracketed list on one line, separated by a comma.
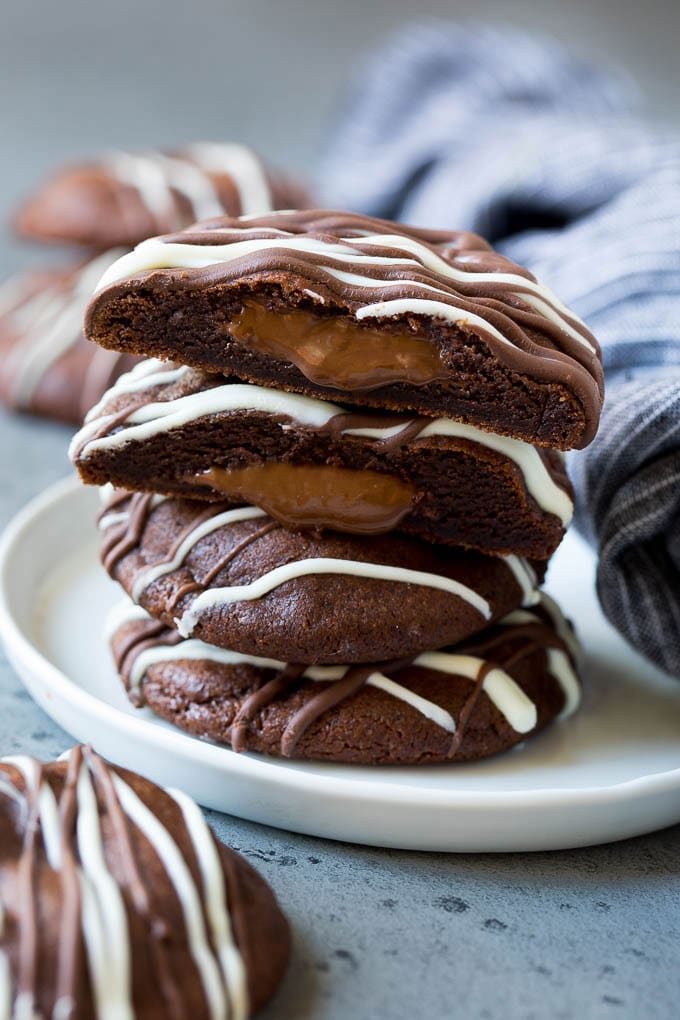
[(410, 427), (69, 957), (280, 685), (127, 534), (191, 586), (468, 708), (156, 925), (107, 425), (136, 643), (331, 695), (123, 537)]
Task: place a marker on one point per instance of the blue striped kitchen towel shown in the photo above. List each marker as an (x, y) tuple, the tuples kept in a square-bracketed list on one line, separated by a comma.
[(496, 131)]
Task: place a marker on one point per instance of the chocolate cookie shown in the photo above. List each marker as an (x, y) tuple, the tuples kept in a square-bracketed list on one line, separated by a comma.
[(312, 464), (124, 197), (364, 311), (236, 578), (118, 901), (47, 367), (459, 704)]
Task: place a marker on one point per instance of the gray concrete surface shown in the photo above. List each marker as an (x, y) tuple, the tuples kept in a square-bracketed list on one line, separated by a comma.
[(379, 935)]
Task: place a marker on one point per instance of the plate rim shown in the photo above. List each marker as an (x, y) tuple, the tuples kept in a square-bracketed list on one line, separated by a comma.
[(21, 650)]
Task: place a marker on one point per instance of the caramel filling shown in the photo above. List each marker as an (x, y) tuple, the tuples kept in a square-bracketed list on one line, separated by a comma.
[(317, 496), (338, 352)]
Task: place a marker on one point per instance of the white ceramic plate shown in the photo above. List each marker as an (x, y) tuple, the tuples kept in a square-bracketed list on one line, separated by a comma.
[(610, 772)]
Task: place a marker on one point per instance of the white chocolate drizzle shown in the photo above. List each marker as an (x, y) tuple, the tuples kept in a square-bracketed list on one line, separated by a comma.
[(322, 565), (143, 376), (157, 177), (187, 893), (121, 516), (525, 576), (244, 168), (560, 665), (105, 929), (212, 524), (215, 898)]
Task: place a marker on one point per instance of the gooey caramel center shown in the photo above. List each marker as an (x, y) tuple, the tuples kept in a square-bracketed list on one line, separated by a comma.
[(337, 352), (317, 496)]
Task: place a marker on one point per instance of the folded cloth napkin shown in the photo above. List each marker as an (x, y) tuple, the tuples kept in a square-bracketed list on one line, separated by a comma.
[(509, 135)]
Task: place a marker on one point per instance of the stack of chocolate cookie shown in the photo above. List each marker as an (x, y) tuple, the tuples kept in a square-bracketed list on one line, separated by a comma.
[(332, 492), (107, 206)]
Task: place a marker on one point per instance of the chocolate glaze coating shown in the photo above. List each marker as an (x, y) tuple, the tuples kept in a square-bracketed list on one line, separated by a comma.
[(463, 493), (47, 367), (53, 885), (507, 365), (319, 618), (90, 204), (263, 709)]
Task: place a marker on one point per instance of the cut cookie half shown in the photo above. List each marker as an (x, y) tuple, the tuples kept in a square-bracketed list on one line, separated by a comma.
[(362, 311), (317, 465)]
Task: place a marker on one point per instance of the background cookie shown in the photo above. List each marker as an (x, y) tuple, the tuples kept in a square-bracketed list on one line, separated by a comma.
[(364, 311), (47, 366), (118, 898), (236, 578), (124, 197), (312, 464), (463, 703)]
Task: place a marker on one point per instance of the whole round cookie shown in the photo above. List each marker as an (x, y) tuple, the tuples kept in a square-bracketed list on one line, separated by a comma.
[(118, 901), (236, 578), (47, 367), (459, 704), (123, 197)]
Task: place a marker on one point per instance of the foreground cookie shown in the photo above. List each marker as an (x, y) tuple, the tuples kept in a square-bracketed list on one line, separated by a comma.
[(127, 196), (364, 311), (236, 578), (459, 704), (312, 464), (47, 367), (118, 902)]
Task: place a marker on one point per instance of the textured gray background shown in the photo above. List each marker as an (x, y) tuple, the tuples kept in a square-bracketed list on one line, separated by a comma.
[(379, 934), (76, 75)]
